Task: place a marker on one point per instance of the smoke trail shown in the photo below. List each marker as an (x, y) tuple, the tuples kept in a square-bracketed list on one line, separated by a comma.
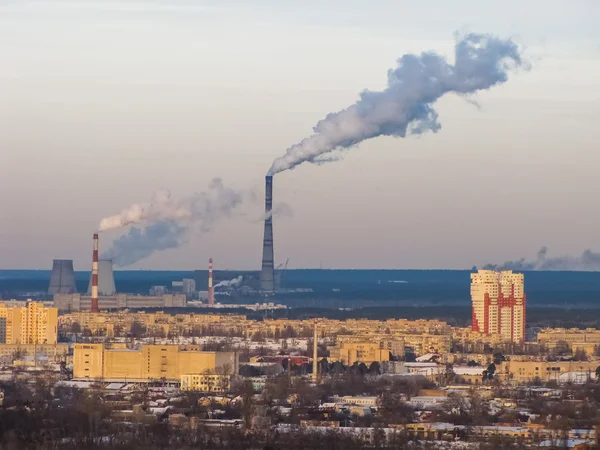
[(140, 243), (405, 106), (587, 261), (163, 207), (278, 210), (168, 223), (228, 283)]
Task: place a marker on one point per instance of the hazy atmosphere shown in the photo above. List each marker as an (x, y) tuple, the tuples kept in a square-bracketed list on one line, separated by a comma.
[(111, 104)]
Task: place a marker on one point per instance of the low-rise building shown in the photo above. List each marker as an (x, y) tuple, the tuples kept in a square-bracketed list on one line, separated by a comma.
[(212, 383), (150, 362), (524, 371), (349, 351)]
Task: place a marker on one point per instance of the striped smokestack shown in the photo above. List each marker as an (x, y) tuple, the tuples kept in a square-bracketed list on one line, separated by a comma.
[(315, 371), (267, 273), (211, 289), (95, 275)]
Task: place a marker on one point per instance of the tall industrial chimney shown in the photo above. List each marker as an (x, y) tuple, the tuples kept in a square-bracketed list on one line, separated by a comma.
[(315, 371), (211, 289), (267, 273), (95, 275)]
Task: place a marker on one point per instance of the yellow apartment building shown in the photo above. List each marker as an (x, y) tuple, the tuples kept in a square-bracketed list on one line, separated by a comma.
[(30, 324), (366, 351), (206, 383), (150, 362)]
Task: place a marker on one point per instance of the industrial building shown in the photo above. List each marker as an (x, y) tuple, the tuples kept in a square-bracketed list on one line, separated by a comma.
[(150, 362), (499, 304), (30, 324), (62, 278), (78, 302)]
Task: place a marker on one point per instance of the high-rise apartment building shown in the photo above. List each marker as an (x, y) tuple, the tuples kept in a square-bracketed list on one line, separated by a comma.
[(499, 304), (31, 324)]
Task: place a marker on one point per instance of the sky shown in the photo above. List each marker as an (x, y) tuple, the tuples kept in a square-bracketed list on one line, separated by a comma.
[(103, 103)]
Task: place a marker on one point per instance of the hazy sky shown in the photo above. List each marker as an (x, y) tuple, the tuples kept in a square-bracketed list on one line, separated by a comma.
[(104, 102)]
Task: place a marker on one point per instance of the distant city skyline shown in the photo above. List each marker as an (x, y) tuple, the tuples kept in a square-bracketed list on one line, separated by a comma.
[(105, 103)]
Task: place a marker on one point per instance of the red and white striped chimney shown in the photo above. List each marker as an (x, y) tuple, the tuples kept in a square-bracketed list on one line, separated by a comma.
[(95, 275), (211, 289)]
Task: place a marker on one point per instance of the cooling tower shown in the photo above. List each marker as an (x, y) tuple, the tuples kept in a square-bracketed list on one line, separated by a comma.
[(106, 279), (267, 273), (62, 280)]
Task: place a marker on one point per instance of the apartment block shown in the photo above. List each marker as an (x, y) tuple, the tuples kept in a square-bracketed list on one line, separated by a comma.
[(30, 324), (498, 304), (350, 350)]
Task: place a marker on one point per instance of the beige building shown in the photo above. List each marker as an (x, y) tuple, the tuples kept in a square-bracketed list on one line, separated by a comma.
[(150, 362), (30, 324), (498, 300), (351, 349), (524, 371), (572, 339), (213, 383), (50, 351)]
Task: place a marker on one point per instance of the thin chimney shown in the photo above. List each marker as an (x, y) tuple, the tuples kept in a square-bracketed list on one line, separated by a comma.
[(211, 289), (315, 370), (95, 275), (267, 273)]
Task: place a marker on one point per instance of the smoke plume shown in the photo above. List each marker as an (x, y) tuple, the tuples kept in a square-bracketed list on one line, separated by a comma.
[(167, 223), (140, 243), (405, 106), (229, 283), (587, 261)]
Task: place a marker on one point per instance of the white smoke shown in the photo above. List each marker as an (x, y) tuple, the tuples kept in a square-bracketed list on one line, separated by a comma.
[(405, 106), (168, 222), (163, 207), (587, 261), (278, 210), (230, 283)]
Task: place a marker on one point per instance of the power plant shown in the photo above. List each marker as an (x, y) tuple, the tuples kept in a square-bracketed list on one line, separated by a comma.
[(106, 279), (62, 280), (267, 273)]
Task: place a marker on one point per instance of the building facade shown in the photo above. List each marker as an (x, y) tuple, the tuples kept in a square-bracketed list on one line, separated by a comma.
[(150, 362), (78, 302), (350, 350), (33, 323), (213, 383), (498, 300)]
